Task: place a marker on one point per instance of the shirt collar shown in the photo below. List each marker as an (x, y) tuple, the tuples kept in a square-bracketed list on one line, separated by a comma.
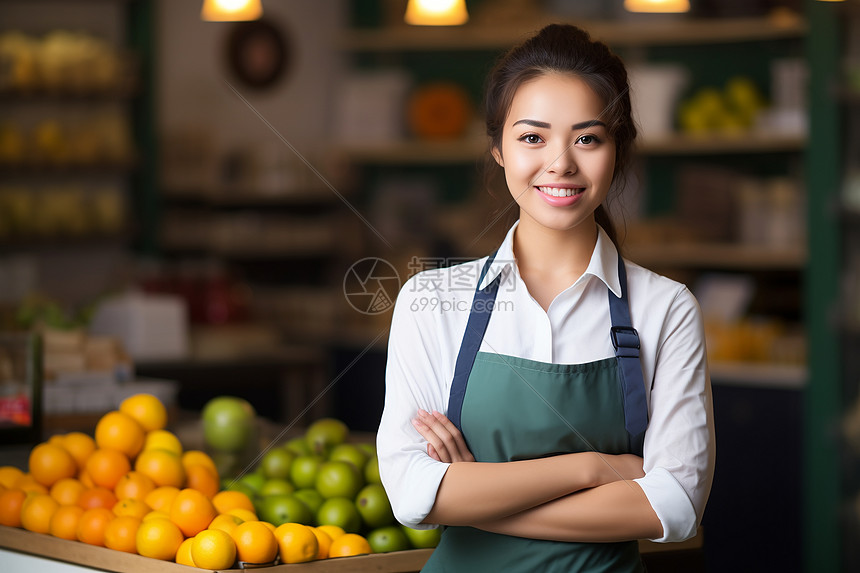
[(603, 263)]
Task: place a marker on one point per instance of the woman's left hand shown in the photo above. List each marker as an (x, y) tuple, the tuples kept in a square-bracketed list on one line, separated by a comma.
[(445, 443)]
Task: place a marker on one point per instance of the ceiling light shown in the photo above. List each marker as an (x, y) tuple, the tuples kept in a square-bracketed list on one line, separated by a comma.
[(231, 10), (436, 12)]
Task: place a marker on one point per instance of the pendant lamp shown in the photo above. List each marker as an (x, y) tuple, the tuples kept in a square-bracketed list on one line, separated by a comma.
[(657, 6), (231, 10), (436, 13)]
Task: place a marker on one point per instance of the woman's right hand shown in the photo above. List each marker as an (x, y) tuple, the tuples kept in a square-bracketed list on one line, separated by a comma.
[(616, 467), (445, 443)]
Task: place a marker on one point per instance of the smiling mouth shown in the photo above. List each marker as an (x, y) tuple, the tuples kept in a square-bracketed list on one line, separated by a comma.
[(560, 191)]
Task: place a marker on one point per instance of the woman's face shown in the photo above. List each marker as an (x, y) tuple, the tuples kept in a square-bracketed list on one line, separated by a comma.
[(556, 152)]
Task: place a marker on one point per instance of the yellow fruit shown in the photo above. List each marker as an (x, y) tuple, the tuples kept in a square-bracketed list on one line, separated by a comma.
[(161, 498), (192, 512), (105, 467), (324, 541), (226, 523), (162, 467), (255, 542), (154, 514), (348, 545), (213, 549), (49, 463), (131, 507), (80, 446), (198, 458), (200, 478), (147, 410), (296, 543), (120, 432), (333, 531), (36, 512), (183, 554), (134, 485), (9, 475), (64, 522), (67, 491), (243, 514), (158, 539), (162, 440), (226, 500)]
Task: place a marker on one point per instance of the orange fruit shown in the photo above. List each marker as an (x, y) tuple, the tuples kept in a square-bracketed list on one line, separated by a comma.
[(243, 514), (97, 497), (120, 432), (225, 522), (200, 478), (192, 512), (29, 484), (255, 543), (296, 543), (92, 525), (348, 545), (107, 466), (121, 533), (156, 515), (324, 541), (162, 467), (85, 478), (269, 526), (50, 463), (162, 440), (183, 554), (226, 500), (333, 531), (159, 539), (67, 491), (9, 475), (134, 485), (196, 457), (36, 512), (161, 498), (11, 501), (64, 522), (130, 507), (213, 549), (80, 446), (146, 410)]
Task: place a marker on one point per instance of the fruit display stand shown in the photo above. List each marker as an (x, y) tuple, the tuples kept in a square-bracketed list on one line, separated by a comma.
[(22, 550)]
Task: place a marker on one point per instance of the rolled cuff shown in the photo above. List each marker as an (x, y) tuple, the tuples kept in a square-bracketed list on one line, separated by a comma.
[(671, 504), (412, 506)]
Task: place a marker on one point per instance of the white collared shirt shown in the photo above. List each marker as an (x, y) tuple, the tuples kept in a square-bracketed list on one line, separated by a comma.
[(427, 329)]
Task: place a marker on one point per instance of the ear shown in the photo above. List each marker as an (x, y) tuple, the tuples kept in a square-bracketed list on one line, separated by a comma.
[(497, 155)]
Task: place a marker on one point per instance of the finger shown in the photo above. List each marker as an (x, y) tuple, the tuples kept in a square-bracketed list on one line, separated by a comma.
[(443, 432), (432, 438), (459, 440), (431, 451)]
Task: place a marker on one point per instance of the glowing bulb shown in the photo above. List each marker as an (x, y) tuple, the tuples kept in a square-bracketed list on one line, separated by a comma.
[(436, 13), (231, 10), (662, 6)]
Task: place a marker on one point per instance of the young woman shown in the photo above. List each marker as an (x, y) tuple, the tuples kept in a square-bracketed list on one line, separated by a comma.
[(550, 404)]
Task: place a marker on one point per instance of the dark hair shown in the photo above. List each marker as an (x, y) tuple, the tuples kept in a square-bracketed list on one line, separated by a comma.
[(566, 49)]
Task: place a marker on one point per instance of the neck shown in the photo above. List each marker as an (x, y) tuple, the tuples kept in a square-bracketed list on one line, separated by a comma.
[(553, 251)]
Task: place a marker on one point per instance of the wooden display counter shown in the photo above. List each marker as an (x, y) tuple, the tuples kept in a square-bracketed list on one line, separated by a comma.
[(23, 550)]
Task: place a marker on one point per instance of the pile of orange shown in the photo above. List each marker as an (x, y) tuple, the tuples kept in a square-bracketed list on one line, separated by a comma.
[(131, 487)]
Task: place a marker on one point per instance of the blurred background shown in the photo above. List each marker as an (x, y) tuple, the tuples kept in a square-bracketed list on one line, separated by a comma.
[(196, 208)]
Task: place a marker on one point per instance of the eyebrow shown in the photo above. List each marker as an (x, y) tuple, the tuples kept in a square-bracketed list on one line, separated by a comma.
[(575, 126)]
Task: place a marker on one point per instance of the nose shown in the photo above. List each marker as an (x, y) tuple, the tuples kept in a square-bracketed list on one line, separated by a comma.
[(562, 161)]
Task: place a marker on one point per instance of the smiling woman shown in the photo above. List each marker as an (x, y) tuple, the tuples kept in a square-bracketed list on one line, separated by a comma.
[(559, 409)]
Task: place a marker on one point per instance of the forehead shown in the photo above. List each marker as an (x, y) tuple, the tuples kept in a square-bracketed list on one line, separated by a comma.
[(565, 97)]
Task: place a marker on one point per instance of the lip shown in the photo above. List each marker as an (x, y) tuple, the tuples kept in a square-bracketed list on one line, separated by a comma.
[(564, 201)]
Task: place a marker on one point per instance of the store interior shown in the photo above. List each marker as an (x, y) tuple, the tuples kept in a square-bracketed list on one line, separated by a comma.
[(201, 208)]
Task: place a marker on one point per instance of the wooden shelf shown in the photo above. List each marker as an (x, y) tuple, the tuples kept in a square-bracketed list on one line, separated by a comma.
[(320, 196), (416, 152), (662, 31), (717, 256)]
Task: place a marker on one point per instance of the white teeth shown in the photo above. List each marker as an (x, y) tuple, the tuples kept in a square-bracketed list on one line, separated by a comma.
[(558, 192)]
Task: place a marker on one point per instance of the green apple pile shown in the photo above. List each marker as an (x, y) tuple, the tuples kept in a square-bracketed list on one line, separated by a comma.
[(732, 109), (321, 478)]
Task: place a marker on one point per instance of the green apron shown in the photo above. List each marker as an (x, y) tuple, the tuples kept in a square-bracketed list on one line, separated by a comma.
[(512, 408)]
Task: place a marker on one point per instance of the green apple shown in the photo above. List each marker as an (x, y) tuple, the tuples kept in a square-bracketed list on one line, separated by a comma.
[(373, 505), (276, 486), (340, 511), (349, 453), (298, 446), (228, 423), (338, 479), (371, 471), (303, 471), (324, 434), (423, 538), (278, 509), (276, 463), (311, 497), (387, 539), (254, 481)]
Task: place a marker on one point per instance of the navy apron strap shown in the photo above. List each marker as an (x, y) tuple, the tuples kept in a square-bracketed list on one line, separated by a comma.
[(625, 339), (479, 317)]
